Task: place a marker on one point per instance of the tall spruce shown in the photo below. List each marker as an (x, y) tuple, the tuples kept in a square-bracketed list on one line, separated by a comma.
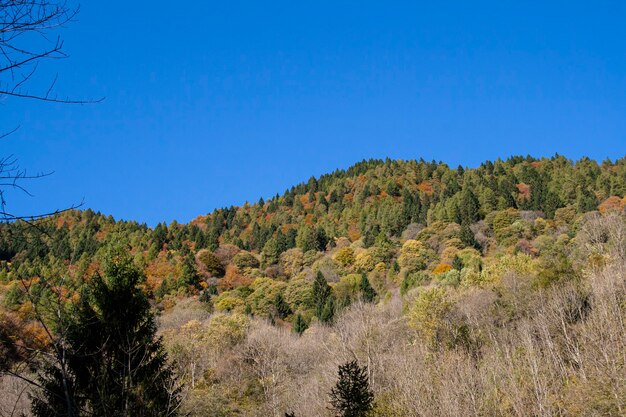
[(351, 396), (113, 364)]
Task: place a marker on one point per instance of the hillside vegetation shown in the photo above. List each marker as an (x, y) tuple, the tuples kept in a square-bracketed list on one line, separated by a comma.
[(493, 291)]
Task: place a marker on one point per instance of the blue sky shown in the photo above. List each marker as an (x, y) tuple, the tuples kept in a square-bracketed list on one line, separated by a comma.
[(216, 103)]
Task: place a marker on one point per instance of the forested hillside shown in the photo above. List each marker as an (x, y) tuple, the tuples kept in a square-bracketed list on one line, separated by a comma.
[(496, 290)]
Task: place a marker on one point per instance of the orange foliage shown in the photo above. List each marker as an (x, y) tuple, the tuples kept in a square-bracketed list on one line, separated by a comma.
[(233, 279), (426, 187), (158, 270), (441, 269), (353, 232), (286, 227), (199, 221), (26, 337), (612, 203), (536, 164), (524, 191)]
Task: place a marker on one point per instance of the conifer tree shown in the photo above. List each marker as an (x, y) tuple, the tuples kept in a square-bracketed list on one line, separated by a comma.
[(467, 236), (469, 206), (351, 396), (189, 272), (300, 325), (282, 308), (328, 312), (457, 263), (367, 292), (321, 293), (113, 363)]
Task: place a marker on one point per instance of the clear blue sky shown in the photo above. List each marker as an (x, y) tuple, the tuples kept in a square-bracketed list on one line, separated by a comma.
[(214, 103)]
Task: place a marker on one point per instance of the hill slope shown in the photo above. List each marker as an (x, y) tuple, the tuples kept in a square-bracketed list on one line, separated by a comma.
[(390, 262)]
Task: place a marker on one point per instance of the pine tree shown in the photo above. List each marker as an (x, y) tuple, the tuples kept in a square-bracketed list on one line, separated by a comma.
[(351, 396), (113, 363), (367, 292)]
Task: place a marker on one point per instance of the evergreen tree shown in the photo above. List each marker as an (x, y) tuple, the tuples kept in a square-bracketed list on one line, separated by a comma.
[(457, 263), (586, 200), (467, 236), (328, 312), (321, 293), (300, 325), (112, 363), (351, 396), (551, 204), (469, 206), (189, 273), (282, 308), (367, 292)]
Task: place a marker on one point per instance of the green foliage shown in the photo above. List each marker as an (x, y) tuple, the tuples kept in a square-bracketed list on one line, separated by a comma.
[(327, 314), (457, 263), (299, 324), (412, 280), (245, 260), (321, 294), (367, 292), (211, 263), (189, 273), (351, 396), (282, 308), (113, 363), (13, 297)]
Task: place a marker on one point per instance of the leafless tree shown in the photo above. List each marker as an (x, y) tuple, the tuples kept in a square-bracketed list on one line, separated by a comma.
[(29, 35)]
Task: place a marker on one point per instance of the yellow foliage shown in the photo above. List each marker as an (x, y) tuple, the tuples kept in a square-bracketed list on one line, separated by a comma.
[(427, 313), (364, 262), (344, 256), (497, 267), (226, 301)]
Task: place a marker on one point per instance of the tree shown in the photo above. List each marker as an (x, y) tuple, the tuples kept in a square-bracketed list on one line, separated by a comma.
[(351, 396), (469, 206), (457, 263), (211, 263), (328, 312), (27, 37), (115, 364), (189, 273), (300, 325), (467, 236), (321, 293), (367, 291), (282, 308)]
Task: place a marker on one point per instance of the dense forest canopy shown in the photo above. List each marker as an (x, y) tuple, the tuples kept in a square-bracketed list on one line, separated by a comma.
[(379, 241)]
